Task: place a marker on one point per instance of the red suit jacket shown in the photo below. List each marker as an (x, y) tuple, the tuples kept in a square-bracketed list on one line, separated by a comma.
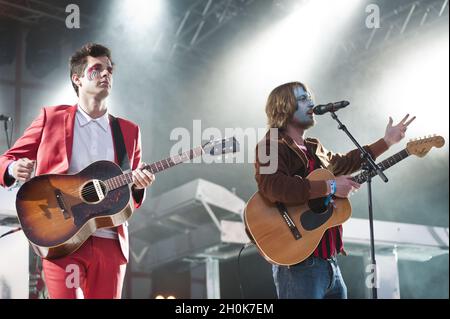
[(49, 139)]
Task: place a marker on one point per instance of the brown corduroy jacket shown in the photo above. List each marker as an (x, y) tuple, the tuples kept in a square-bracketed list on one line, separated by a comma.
[(288, 183)]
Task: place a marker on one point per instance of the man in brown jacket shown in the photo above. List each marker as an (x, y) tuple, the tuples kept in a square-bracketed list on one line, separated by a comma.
[(289, 109)]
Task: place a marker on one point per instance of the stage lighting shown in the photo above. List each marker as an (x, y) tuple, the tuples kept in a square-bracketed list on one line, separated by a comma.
[(417, 80), (293, 47), (141, 13)]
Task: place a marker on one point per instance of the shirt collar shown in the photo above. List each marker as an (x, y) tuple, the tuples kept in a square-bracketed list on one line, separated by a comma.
[(84, 119)]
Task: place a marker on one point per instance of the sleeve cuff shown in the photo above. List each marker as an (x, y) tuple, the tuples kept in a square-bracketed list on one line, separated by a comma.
[(318, 189), (378, 148), (11, 169), (8, 178)]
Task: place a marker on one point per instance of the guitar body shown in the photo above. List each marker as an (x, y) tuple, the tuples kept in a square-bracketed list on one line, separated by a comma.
[(58, 213), (271, 233)]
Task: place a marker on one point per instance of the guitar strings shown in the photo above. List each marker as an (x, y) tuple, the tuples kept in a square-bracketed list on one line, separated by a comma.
[(89, 190), (86, 191)]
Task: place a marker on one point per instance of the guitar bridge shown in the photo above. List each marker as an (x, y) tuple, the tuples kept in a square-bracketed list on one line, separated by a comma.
[(61, 204), (289, 222)]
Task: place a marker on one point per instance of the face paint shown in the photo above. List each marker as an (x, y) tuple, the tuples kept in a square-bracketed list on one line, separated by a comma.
[(305, 104), (94, 72)]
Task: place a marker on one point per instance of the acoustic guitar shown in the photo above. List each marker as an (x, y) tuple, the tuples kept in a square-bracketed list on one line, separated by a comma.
[(59, 212), (287, 235)]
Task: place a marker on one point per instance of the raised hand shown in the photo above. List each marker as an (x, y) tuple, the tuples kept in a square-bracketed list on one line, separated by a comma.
[(395, 134)]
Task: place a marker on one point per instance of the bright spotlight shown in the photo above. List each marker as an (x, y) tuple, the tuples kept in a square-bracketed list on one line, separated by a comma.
[(295, 47), (141, 14), (417, 83)]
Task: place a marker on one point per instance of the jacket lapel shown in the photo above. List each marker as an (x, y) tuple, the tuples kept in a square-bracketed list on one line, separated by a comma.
[(291, 144), (69, 125), (313, 147)]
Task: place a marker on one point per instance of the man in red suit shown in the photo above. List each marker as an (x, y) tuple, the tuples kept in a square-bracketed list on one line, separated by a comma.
[(63, 140)]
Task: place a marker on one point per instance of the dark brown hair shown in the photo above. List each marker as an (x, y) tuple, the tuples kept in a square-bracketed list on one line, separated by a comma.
[(282, 104), (78, 61)]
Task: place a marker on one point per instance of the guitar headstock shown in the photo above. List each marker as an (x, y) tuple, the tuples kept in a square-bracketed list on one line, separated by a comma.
[(420, 147), (219, 147)]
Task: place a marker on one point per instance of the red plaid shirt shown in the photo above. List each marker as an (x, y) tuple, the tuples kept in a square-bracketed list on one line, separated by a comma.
[(331, 243)]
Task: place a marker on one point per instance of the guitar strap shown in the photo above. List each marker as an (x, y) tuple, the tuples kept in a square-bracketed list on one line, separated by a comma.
[(119, 144)]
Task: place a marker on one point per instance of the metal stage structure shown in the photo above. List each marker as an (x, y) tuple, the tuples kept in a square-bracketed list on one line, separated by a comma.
[(15, 279), (202, 222)]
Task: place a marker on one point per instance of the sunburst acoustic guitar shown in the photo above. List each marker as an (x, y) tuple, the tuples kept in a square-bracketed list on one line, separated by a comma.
[(59, 212)]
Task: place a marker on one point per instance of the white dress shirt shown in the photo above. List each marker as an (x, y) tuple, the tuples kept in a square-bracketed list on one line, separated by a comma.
[(92, 141)]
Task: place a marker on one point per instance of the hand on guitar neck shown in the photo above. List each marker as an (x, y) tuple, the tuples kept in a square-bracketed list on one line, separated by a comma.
[(344, 186), (142, 177)]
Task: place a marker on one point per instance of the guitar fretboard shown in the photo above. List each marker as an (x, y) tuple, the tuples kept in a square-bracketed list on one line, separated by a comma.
[(127, 178), (384, 165)]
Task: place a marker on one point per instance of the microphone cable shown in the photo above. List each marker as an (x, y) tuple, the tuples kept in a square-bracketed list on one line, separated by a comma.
[(9, 137), (241, 290), (11, 232)]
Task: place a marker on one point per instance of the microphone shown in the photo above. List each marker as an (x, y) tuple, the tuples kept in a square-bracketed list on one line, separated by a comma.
[(4, 118), (330, 107)]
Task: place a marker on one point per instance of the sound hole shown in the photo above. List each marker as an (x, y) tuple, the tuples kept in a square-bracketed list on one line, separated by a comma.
[(89, 193), (317, 205)]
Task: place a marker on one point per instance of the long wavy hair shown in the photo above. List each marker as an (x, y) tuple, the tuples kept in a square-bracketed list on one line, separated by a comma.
[(282, 104)]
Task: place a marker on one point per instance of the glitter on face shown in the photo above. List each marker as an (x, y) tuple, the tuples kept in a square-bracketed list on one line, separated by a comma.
[(94, 72)]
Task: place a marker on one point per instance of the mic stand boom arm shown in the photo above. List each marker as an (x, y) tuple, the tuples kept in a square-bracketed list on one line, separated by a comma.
[(372, 166)]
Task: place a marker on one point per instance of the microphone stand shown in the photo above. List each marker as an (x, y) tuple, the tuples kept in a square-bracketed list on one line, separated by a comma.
[(370, 167)]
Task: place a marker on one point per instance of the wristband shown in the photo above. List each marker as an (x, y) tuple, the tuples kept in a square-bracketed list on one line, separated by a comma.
[(333, 191), (333, 186)]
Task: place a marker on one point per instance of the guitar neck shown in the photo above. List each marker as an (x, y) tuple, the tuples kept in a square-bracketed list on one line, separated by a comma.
[(127, 178), (384, 165)]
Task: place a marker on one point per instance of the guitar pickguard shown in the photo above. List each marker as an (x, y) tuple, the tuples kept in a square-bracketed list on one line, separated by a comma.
[(311, 220)]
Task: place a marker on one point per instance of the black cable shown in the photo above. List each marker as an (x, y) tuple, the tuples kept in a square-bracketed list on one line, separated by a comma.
[(11, 232), (9, 137), (239, 268), (11, 133)]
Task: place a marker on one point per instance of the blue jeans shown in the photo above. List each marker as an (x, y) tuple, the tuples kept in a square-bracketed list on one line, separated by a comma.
[(313, 278)]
